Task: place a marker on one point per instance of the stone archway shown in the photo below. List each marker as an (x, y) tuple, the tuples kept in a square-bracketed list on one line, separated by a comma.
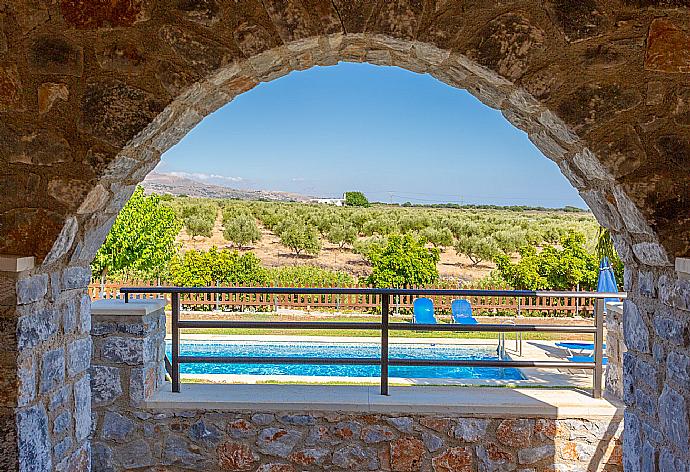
[(92, 94)]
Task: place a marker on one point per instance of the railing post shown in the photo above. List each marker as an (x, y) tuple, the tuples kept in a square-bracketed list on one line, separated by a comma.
[(385, 298), (175, 361), (598, 346)]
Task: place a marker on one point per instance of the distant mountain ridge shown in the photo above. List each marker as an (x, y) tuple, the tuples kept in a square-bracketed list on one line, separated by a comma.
[(162, 183)]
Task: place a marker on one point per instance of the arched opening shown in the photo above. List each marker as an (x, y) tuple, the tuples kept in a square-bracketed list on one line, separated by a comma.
[(78, 84)]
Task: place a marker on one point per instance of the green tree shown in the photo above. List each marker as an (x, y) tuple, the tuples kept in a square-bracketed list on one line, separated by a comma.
[(356, 199), (553, 268), (440, 238), (476, 248), (300, 237), (342, 234), (404, 261), (198, 225), (142, 239), (241, 229), (202, 268), (605, 248)]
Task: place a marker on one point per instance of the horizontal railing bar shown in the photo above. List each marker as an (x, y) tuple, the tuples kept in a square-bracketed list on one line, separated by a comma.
[(492, 328), (280, 360), (490, 363), (377, 361), (372, 291), (335, 325)]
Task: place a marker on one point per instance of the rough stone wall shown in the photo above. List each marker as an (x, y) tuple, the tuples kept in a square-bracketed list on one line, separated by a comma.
[(656, 324), (91, 93), (46, 353), (615, 349), (176, 440)]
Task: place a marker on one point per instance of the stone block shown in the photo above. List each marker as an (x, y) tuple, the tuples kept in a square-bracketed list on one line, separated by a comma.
[(78, 356), (376, 434), (470, 429), (236, 456), (515, 432), (122, 350), (678, 368), (52, 370), (136, 454), (454, 459), (310, 456), (102, 458), (204, 432), (634, 328), (75, 277), (82, 408), (668, 462), (62, 422), (60, 398), (178, 451), (402, 423), (68, 311), (36, 328), (674, 329), (298, 420), (34, 440), (673, 417), (668, 47), (106, 385), (535, 454), (116, 427), (277, 441), (26, 375), (356, 457), (407, 454), (85, 315), (32, 289), (432, 442), (491, 458)]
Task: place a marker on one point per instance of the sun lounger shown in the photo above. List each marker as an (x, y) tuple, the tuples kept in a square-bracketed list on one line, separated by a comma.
[(462, 312), (423, 311)]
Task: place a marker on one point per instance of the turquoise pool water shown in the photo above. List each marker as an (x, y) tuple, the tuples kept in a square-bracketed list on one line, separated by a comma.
[(318, 349)]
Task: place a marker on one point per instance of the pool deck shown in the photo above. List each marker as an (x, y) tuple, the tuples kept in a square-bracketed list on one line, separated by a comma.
[(531, 350)]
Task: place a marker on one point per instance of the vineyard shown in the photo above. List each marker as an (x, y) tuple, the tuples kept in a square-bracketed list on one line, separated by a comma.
[(196, 241)]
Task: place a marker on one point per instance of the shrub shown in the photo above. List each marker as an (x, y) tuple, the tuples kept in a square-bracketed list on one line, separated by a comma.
[(404, 261), (202, 268), (305, 275)]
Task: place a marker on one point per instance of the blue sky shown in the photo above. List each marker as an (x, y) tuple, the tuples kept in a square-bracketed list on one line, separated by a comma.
[(387, 132)]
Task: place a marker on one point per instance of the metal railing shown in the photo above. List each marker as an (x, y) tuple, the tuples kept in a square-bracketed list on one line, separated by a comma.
[(384, 361)]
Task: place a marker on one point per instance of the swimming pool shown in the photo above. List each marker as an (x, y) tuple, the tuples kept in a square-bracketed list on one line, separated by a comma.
[(333, 349)]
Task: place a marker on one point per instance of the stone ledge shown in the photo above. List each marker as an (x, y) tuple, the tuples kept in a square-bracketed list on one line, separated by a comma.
[(9, 263), (476, 402), (120, 308)]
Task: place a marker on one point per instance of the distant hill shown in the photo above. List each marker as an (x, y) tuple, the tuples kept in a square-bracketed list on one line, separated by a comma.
[(162, 183)]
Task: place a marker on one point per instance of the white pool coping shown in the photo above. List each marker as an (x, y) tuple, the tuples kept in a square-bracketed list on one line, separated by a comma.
[(470, 401)]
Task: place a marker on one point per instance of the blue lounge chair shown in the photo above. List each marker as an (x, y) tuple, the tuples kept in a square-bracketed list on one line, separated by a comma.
[(462, 312), (604, 361), (576, 346), (423, 310)]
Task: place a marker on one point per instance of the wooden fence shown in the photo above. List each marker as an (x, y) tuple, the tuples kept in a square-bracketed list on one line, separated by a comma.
[(554, 306)]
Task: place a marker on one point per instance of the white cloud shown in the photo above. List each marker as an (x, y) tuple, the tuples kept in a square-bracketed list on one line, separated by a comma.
[(215, 178)]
